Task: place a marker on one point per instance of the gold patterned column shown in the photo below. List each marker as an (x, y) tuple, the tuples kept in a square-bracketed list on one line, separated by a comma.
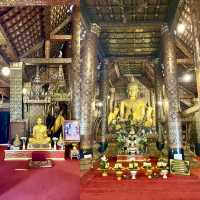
[(16, 100), (88, 82), (104, 100), (174, 121), (195, 17), (159, 107), (75, 69), (16, 91)]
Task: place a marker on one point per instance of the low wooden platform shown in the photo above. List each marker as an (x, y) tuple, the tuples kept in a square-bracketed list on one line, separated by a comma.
[(28, 154), (129, 158)]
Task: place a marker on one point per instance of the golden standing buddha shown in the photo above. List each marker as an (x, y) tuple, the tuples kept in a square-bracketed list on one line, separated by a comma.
[(39, 136)]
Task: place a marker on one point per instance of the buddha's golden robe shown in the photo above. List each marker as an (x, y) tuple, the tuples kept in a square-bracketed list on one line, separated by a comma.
[(39, 135)]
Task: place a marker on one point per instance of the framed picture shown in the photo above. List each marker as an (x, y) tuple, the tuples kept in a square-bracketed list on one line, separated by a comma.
[(71, 131)]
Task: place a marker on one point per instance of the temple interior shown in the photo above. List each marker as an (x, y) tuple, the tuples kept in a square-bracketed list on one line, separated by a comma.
[(99, 99)]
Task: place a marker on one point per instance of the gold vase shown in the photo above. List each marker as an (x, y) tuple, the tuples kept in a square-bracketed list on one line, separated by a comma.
[(149, 173), (104, 172), (119, 175)]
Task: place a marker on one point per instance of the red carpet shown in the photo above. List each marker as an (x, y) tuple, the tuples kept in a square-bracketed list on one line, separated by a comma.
[(62, 182), (95, 187)]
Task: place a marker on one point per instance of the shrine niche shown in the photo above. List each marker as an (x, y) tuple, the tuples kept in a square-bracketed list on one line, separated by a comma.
[(41, 96)]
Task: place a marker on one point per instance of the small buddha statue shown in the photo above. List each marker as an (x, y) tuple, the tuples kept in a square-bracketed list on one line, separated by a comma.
[(16, 142), (135, 108), (39, 135)]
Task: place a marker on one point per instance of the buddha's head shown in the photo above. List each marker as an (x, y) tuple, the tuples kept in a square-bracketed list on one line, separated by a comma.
[(133, 90), (39, 120)]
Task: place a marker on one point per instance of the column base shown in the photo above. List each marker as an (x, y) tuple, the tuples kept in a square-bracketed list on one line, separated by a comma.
[(103, 147), (197, 149), (160, 145), (176, 153), (86, 153)]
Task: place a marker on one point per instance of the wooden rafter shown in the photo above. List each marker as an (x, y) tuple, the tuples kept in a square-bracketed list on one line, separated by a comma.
[(133, 25), (60, 38), (186, 61), (8, 48), (37, 2), (61, 26), (183, 48), (33, 49), (47, 61)]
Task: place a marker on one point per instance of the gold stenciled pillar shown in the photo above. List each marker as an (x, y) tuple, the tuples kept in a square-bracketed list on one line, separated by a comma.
[(16, 91), (159, 106), (17, 125), (88, 84), (104, 99), (174, 121), (195, 17), (75, 69)]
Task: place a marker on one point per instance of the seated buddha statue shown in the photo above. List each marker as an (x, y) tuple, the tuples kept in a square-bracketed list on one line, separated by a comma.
[(39, 136), (136, 108)]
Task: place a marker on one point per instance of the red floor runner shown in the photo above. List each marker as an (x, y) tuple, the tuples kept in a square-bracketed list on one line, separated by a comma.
[(62, 182), (95, 187)]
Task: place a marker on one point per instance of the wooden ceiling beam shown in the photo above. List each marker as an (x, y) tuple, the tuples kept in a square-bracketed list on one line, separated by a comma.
[(183, 48), (33, 49), (47, 61), (155, 25), (38, 2), (61, 26), (8, 48), (185, 61), (60, 38), (125, 59)]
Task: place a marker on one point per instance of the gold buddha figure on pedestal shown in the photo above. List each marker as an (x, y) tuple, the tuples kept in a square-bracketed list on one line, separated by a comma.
[(39, 137), (136, 108)]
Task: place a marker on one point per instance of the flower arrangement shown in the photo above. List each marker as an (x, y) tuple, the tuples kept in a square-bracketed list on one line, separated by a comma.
[(118, 170), (104, 165), (148, 169)]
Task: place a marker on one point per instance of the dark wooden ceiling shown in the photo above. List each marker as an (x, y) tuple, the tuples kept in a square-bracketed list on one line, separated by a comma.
[(24, 30), (129, 28)]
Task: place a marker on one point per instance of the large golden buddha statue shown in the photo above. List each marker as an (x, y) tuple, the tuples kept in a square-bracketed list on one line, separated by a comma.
[(39, 137), (135, 108)]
